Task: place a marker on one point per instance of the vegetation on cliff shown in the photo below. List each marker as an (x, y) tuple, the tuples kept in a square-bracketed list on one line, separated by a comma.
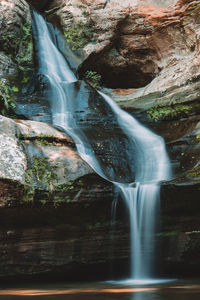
[(7, 102), (159, 112), (19, 47), (93, 78), (40, 176), (79, 34)]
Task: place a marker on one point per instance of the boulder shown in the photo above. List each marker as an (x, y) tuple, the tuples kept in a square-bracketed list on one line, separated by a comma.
[(12, 158), (38, 157)]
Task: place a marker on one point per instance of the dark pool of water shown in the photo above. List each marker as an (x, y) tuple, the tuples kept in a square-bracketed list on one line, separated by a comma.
[(178, 289)]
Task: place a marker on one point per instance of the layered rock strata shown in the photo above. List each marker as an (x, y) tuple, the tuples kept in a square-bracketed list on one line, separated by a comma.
[(55, 213)]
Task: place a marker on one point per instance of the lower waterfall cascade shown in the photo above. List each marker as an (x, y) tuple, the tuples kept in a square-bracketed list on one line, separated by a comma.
[(140, 166)]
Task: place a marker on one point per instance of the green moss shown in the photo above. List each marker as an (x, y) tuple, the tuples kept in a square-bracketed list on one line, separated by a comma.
[(7, 102), (42, 172), (25, 79), (170, 111), (93, 78), (70, 185), (44, 139), (40, 176), (43, 202), (195, 173), (41, 184), (58, 200), (66, 187), (65, 193), (44, 142), (197, 139), (18, 47), (80, 34), (24, 56), (80, 183)]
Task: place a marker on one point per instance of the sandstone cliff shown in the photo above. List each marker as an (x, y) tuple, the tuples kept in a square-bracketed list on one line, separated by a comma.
[(55, 212), (133, 43)]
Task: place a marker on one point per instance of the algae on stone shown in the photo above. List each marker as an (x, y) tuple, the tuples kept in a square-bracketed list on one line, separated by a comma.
[(80, 34), (7, 103), (40, 176), (159, 112), (194, 173), (19, 48)]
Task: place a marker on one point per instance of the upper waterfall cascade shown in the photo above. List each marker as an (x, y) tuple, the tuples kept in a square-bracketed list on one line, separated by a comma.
[(97, 125)]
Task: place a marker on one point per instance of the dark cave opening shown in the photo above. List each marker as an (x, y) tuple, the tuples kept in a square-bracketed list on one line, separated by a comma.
[(38, 4), (119, 77), (126, 77)]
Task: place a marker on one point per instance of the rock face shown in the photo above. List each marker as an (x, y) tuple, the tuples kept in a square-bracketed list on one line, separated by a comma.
[(12, 157), (7, 65), (58, 209), (39, 5), (75, 239), (133, 43), (15, 38), (40, 158)]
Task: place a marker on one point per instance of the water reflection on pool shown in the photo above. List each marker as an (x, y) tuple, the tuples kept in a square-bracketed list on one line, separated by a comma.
[(181, 290)]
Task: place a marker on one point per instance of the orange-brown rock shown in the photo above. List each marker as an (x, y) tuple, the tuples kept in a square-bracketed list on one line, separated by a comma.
[(134, 43)]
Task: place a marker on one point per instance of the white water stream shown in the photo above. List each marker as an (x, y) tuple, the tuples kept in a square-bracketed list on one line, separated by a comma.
[(149, 155)]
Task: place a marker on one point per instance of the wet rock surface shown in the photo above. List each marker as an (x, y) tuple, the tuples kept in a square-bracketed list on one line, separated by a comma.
[(75, 239), (95, 121), (64, 227)]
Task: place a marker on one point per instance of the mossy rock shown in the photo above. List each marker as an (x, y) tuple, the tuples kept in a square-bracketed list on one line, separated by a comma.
[(7, 102), (173, 111), (19, 47), (80, 34), (39, 176), (194, 174)]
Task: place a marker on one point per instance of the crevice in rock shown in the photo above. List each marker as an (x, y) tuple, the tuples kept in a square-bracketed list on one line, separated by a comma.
[(38, 4), (119, 68), (122, 75)]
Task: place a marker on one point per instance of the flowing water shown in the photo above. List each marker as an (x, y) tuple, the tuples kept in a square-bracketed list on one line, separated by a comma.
[(111, 141)]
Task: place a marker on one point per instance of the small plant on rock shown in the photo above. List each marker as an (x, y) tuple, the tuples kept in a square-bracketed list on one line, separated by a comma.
[(93, 78)]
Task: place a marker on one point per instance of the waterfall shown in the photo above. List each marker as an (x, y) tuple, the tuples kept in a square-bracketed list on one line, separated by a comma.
[(140, 159)]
